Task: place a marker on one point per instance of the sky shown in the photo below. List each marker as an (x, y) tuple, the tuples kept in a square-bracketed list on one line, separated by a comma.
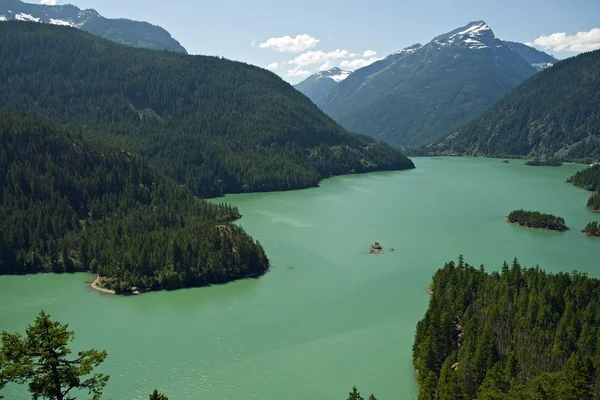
[(296, 39)]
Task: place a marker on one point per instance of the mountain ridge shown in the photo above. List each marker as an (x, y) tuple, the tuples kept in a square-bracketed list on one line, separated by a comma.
[(121, 30), (553, 114), (417, 95), (215, 125)]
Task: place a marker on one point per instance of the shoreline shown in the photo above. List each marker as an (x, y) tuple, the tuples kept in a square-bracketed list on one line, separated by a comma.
[(539, 229), (94, 285)]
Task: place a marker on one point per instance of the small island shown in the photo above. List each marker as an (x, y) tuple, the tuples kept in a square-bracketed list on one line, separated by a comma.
[(506, 162), (550, 162), (375, 248), (537, 220), (592, 229)]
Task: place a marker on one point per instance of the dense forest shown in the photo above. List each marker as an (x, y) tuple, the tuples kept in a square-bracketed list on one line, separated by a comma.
[(550, 162), (556, 113), (538, 220), (67, 204), (589, 179), (517, 334), (592, 229), (215, 125)]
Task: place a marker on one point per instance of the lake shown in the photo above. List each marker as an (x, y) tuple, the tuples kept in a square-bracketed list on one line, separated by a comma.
[(328, 315)]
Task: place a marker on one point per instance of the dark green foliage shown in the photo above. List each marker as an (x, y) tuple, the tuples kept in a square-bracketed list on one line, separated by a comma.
[(509, 335), (70, 205), (592, 229), (41, 358), (535, 219), (158, 396), (594, 202), (550, 162), (588, 179), (124, 31), (214, 125), (355, 395), (555, 113)]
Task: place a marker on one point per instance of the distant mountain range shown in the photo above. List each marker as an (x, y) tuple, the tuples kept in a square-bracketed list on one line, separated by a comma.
[(317, 85), (423, 92), (124, 31), (554, 114)]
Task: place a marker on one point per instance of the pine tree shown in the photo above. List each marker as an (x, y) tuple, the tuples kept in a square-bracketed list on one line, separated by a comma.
[(354, 394), (158, 396), (41, 358)]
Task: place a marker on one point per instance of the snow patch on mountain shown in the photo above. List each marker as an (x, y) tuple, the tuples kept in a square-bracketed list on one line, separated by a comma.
[(26, 17), (60, 22), (540, 66), (340, 77), (2, 18)]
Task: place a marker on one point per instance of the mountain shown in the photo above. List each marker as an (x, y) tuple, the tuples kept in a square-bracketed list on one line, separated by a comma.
[(124, 31), (215, 125), (317, 85), (556, 113), (422, 93), (68, 204), (538, 59)]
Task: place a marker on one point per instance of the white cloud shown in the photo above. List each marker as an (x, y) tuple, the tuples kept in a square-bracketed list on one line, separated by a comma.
[(297, 72), (273, 66), (357, 63), (320, 57), (253, 43), (48, 2), (288, 44), (369, 53), (560, 41)]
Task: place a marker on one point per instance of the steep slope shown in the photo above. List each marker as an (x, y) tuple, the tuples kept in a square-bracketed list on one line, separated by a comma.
[(124, 31), (538, 59), (316, 86), (421, 93), (554, 114), (67, 204), (215, 125)]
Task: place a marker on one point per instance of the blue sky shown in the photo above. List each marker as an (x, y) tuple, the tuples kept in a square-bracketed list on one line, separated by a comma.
[(339, 31)]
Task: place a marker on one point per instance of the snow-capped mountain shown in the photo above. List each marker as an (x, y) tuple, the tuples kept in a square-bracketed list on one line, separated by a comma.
[(420, 93), (316, 85), (124, 31)]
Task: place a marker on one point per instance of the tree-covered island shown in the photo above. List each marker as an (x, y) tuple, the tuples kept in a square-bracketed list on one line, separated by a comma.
[(537, 220), (592, 229)]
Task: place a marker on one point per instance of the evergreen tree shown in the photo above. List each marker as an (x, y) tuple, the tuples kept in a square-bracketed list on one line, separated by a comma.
[(354, 394), (158, 396), (41, 359)]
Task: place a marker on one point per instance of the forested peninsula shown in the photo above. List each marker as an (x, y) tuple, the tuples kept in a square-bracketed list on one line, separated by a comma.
[(67, 204), (538, 220), (215, 125), (589, 179), (516, 334)]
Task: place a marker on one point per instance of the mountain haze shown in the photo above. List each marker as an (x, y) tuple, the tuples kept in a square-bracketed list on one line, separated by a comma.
[(554, 114), (124, 31), (215, 125)]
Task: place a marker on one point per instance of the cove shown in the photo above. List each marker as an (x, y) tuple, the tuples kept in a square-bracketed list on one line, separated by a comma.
[(339, 317)]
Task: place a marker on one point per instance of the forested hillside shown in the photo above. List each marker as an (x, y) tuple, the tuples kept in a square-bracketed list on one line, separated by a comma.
[(589, 179), (556, 113), (517, 334), (70, 205), (215, 125)]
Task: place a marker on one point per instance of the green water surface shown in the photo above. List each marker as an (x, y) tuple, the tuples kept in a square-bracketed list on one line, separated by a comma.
[(327, 316)]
